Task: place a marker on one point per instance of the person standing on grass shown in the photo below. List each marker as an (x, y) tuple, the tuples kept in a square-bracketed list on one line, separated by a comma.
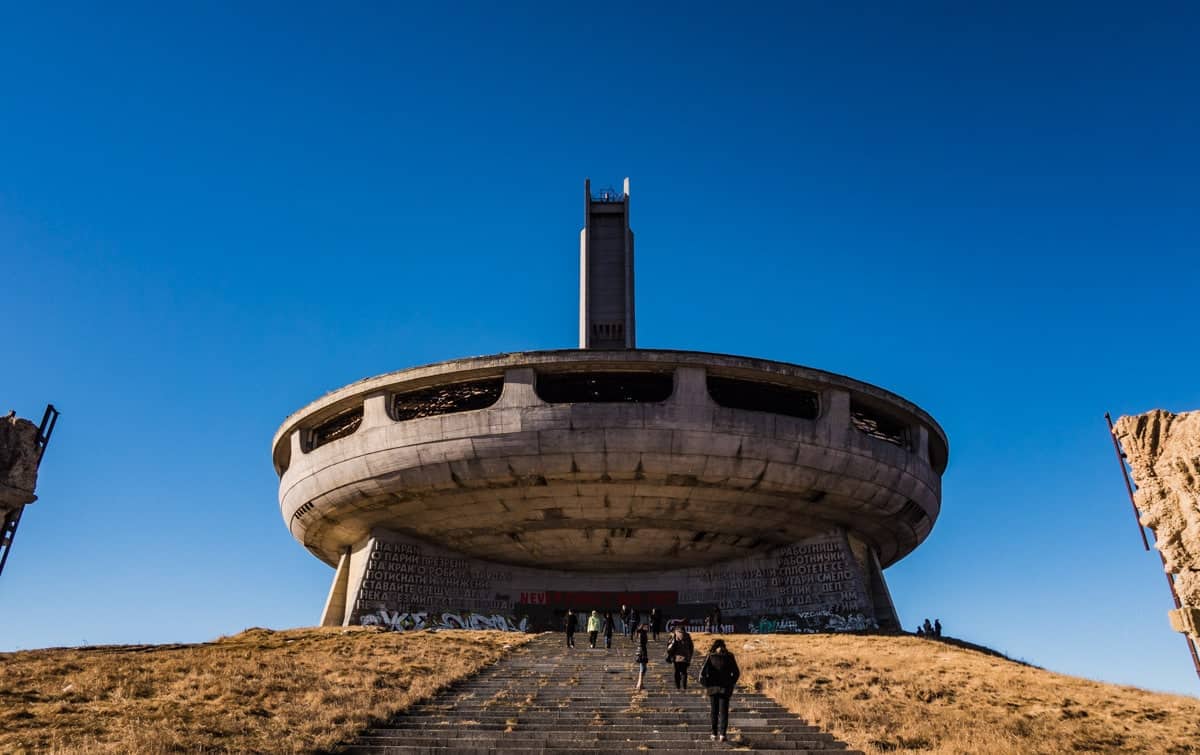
[(608, 630), (643, 654), (718, 676), (569, 626), (655, 623), (679, 653), (593, 628)]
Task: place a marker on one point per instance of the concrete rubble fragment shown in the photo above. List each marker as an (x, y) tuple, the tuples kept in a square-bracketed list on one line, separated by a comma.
[(1163, 450), (18, 462)]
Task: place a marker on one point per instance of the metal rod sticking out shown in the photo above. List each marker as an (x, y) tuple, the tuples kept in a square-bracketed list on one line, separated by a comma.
[(1128, 486)]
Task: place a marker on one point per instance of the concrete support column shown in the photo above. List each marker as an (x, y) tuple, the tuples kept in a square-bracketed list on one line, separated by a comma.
[(335, 604), (297, 442), (375, 410), (691, 386), (834, 423), (518, 388)]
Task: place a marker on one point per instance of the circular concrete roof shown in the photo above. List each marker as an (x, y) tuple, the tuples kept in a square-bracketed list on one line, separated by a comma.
[(610, 460)]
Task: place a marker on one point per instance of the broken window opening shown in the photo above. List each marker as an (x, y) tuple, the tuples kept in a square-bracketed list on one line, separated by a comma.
[(604, 387), (446, 399), (754, 396), (911, 513), (878, 425), (338, 427)]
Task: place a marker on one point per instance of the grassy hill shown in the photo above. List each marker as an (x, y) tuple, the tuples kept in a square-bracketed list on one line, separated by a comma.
[(258, 691), (906, 694), (304, 690)]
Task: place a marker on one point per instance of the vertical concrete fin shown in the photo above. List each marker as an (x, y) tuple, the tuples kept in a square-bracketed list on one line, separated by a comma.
[(335, 604), (519, 388), (583, 297), (375, 413), (833, 425), (691, 387)]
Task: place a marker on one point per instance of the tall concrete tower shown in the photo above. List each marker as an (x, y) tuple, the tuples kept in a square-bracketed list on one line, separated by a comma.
[(606, 271)]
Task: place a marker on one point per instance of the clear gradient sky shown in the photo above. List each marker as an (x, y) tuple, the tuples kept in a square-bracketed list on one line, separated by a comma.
[(211, 215)]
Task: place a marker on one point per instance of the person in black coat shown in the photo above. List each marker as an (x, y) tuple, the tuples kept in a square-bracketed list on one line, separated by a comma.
[(643, 654), (655, 623), (609, 626), (569, 626), (719, 675), (679, 653)]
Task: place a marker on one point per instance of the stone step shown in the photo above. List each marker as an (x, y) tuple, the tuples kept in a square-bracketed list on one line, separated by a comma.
[(593, 733), (544, 699), (644, 719), (559, 741), (407, 749)]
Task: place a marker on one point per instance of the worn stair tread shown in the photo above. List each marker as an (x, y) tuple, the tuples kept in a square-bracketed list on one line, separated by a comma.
[(543, 698)]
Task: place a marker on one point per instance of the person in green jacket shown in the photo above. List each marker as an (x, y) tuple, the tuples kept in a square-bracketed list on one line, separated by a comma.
[(593, 628)]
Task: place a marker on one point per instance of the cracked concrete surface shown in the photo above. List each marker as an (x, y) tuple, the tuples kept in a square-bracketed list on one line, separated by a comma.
[(1163, 450)]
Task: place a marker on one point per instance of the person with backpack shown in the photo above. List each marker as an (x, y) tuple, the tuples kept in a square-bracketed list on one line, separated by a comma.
[(593, 628), (569, 626), (718, 676), (679, 653)]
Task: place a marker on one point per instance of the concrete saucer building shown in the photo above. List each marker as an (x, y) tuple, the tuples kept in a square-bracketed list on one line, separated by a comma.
[(498, 491)]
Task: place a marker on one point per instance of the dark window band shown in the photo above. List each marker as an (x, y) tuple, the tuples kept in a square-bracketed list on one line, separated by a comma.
[(604, 387), (754, 396)]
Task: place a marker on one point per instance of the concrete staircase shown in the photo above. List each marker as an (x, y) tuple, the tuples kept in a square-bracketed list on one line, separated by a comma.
[(544, 698)]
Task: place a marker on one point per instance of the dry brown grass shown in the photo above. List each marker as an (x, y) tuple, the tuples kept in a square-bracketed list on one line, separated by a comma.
[(910, 695), (258, 691)]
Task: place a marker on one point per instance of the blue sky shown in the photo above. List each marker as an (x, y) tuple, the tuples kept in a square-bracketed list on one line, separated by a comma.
[(210, 215)]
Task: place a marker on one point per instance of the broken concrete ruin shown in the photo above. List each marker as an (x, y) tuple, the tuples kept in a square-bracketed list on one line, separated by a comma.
[(1163, 450), (18, 462)]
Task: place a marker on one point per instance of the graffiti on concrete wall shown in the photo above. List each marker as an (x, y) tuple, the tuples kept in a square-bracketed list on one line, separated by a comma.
[(404, 621), (813, 621)]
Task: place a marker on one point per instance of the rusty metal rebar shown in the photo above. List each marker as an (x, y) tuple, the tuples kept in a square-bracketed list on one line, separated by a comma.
[(1128, 485)]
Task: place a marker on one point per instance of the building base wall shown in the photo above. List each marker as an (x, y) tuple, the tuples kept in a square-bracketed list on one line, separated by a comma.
[(830, 582)]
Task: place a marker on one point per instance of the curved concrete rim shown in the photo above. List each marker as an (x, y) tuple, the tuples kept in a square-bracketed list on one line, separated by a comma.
[(467, 368)]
